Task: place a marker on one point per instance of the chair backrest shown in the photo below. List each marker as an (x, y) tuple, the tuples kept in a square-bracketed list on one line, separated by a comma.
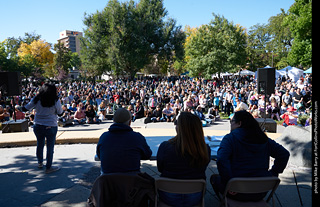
[(180, 186), (253, 185)]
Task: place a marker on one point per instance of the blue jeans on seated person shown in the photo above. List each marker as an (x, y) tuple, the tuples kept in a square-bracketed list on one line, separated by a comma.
[(174, 199), (42, 133)]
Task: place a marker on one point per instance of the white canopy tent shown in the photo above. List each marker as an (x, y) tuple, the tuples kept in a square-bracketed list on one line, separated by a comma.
[(293, 72), (245, 72)]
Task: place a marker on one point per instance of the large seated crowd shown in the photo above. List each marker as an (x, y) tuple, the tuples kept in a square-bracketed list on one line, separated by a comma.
[(161, 99)]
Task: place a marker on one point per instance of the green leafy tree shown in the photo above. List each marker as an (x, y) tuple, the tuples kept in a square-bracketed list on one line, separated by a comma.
[(75, 60), (215, 48), (281, 39), (10, 61), (61, 61), (300, 23), (125, 37), (258, 39)]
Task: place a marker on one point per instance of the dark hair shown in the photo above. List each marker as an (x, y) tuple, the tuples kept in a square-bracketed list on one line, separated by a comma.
[(47, 95), (190, 139), (249, 123)]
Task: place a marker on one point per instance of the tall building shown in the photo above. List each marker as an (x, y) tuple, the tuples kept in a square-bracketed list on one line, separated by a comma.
[(71, 40)]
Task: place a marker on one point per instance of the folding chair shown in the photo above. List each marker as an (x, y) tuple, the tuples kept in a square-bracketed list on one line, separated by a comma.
[(180, 187), (251, 185)]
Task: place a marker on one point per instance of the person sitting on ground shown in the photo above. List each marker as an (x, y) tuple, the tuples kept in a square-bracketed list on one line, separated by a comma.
[(66, 118), (80, 115), (240, 105), (168, 113), (19, 114), (246, 152), (202, 117), (120, 149), (73, 108), (91, 115), (4, 114), (157, 114), (102, 112), (274, 110), (117, 105), (185, 156), (290, 117), (138, 111), (253, 103)]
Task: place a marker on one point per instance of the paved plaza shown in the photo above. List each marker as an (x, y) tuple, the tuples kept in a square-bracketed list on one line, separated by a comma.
[(23, 184)]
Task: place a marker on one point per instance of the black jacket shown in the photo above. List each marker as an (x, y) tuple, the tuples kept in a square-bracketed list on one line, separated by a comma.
[(118, 190)]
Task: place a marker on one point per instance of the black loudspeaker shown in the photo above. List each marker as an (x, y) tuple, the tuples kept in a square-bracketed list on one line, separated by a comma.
[(15, 126), (10, 83), (266, 80)]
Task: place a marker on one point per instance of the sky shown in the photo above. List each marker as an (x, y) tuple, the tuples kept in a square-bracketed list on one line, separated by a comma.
[(49, 17)]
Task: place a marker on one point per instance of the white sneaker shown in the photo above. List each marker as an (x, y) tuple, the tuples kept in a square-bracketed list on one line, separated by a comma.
[(52, 169)]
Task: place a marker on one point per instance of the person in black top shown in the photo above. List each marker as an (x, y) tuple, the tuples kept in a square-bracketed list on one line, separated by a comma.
[(298, 99), (120, 149), (91, 115), (185, 156)]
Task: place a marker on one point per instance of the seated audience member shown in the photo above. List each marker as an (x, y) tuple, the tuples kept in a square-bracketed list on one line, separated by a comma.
[(73, 108), (168, 113), (138, 111), (245, 152), (202, 117), (274, 110), (102, 112), (283, 108), (290, 117), (148, 116), (117, 105), (157, 114), (91, 115), (185, 156), (109, 112), (253, 103), (66, 118), (120, 149), (19, 114), (4, 114), (240, 106), (80, 115)]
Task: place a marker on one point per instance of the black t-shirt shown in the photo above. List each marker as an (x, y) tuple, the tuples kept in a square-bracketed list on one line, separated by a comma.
[(297, 97)]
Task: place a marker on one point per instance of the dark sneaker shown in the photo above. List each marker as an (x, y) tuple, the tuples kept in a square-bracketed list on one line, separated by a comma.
[(40, 165), (52, 169)]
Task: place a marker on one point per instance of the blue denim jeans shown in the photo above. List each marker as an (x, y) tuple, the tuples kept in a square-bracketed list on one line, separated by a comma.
[(42, 133), (174, 199)]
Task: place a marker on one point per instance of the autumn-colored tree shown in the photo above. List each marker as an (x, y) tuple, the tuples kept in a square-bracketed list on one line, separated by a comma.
[(39, 49), (37, 54)]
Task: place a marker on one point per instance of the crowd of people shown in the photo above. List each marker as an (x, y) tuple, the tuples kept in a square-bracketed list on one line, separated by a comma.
[(161, 99), (189, 103)]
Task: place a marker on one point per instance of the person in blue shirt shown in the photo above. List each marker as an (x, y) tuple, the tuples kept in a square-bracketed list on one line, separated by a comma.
[(121, 149), (246, 152), (185, 156)]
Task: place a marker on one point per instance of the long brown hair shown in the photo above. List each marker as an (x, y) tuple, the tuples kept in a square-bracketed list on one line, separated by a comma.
[(190, 139)]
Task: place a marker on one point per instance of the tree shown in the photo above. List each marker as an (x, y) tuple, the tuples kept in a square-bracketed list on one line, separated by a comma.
[(280, 41), (300, 23), (125, 37), (10, 61), (257, 44), (215, 48), (35, 56), (61, 61)]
